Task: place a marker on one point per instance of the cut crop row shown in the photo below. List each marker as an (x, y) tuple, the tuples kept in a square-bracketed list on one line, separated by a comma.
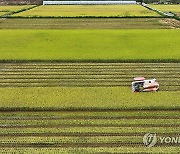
[(89, 122), (125, 114), (40, 131), (88, 150)]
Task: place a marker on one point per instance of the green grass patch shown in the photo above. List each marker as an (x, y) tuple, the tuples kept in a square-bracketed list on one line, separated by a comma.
[(113, 97), (88, 11), (89, 44)]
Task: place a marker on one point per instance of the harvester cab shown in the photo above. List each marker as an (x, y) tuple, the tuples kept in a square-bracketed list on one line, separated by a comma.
[(141, 85)]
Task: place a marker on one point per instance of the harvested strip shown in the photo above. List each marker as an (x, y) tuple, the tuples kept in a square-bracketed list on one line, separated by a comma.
[(89, 125), (87, 69), (76, 134), (87, 74), (75, 145), (45, 145), (89, 117)]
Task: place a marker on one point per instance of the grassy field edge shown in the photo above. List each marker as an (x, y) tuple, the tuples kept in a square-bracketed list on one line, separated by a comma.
[(93, 61)]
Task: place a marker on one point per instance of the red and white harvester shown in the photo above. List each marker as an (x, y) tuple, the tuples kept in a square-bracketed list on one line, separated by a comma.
[(140, 84)]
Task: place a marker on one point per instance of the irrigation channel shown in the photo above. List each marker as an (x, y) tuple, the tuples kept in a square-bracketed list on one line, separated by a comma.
[(87, 74)]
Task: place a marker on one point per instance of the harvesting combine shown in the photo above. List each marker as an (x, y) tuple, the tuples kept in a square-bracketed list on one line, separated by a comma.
[(141, 85)]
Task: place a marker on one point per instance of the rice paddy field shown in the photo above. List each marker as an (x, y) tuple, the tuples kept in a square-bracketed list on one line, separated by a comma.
[(2, 13), (168, 8), (85, 132), (80, 85), (13, 8), (87, 11), (10, 9), (89, 44), (65, 83), (86, 107), (89, 23), (87, 97)]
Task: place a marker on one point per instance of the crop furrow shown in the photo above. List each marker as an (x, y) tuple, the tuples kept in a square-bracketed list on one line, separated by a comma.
[(89, 118), (87, 74), (78, 134), (90, 125)]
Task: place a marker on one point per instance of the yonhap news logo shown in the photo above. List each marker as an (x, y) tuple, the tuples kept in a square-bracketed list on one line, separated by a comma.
[(151, 139)]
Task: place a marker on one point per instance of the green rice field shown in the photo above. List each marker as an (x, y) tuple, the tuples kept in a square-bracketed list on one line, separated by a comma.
[(168, 8), (87, 97), (65, 83), (88, 10), (13, 8), (86, 107), (89, 44), (80, 85), (2, 13)]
